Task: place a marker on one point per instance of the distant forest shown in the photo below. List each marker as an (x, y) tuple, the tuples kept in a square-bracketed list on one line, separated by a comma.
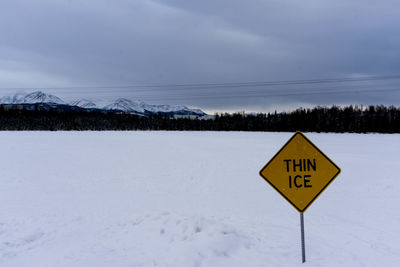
[(353, 119)]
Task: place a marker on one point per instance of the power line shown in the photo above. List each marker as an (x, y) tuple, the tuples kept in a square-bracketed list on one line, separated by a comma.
[(288, 94), (221, 85)]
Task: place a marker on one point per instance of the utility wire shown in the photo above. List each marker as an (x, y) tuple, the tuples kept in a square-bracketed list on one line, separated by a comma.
[(289, 94), (223, 85)]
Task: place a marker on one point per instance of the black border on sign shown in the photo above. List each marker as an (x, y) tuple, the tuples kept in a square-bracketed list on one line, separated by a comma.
[(317, 195)]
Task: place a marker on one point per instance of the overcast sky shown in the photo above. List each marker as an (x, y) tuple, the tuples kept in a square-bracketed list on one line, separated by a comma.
[(53, 44)]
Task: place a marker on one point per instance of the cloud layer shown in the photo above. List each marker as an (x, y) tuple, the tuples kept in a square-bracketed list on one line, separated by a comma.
[(47, 43)]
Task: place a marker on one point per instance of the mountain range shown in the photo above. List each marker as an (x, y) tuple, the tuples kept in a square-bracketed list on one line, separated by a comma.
[(119, 105)]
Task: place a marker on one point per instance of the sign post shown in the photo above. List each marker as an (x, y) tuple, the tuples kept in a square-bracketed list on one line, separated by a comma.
[(300, 172), (303, 246)]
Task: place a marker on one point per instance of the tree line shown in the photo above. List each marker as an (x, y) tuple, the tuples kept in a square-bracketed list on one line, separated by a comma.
[(355, 119)]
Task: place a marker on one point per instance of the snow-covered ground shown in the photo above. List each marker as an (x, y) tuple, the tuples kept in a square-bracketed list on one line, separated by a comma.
[(190, 199)]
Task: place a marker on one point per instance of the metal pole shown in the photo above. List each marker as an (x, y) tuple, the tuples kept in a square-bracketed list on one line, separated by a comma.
[(303, 247)]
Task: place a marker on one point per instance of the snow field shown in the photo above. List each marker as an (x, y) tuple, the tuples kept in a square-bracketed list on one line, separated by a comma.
[(190, 199)]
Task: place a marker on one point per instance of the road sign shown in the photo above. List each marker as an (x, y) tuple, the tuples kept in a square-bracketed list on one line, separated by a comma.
[(300, 171)]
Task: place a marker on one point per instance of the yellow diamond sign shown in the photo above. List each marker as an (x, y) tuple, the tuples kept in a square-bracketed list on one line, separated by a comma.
[(300, 171)]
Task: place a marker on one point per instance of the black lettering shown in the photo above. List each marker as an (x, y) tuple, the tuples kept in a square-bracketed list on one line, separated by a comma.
[(306, 181), (310, 164), (290, 181), (287, 164), (297, 165), (295, 179)]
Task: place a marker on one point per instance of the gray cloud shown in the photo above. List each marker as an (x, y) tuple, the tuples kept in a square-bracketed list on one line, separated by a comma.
[(47, 43)]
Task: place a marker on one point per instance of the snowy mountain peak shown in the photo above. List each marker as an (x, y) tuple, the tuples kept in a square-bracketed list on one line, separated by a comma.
[(127, 105), (31, 98), (121, 104), (40, 97), (84, 103), (139, 106)]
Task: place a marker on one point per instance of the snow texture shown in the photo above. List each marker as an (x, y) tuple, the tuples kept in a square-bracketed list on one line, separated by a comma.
[(182, 199), (84, 103)]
